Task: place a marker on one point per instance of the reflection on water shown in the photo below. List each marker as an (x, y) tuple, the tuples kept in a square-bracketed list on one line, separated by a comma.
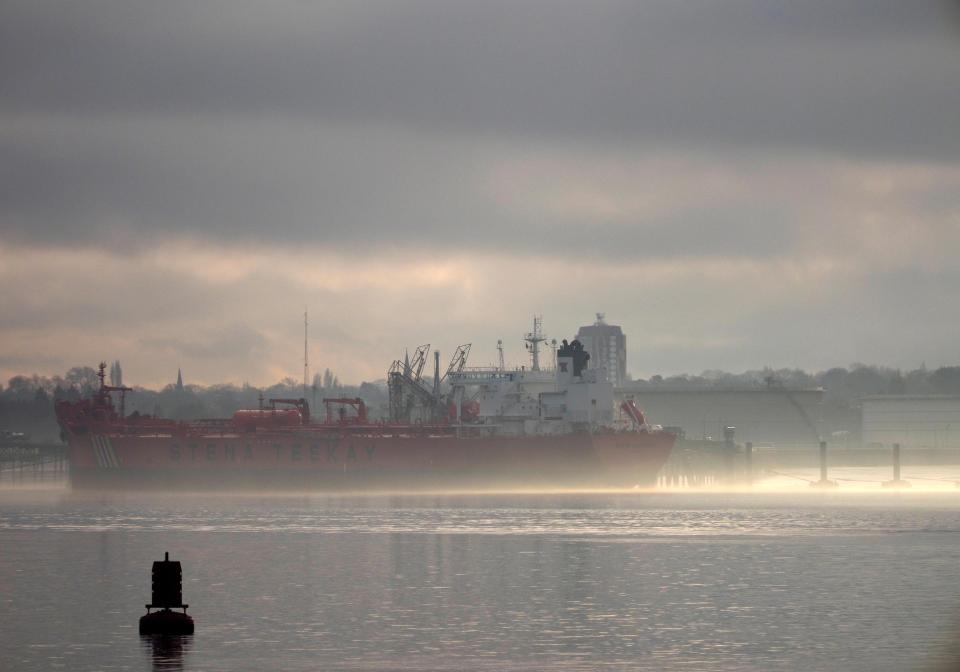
[(166, 652), (558, 581), (922, 478)]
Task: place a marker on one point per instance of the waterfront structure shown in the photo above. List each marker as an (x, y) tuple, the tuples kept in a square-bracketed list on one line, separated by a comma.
[(913, 421), (768, 417)]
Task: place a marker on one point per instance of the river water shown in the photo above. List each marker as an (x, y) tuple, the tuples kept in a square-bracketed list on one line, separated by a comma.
[(770, 580)]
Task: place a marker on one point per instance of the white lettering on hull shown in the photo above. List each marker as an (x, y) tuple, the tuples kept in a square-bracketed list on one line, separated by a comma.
[(103, 451)]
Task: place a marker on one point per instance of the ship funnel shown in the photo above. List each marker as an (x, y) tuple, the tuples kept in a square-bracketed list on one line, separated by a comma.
[(575, 352)]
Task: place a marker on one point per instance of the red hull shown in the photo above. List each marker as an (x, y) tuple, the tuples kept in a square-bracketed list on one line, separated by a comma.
[(375, 459)]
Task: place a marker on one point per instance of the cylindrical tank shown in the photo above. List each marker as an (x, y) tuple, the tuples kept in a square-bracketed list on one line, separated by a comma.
[(166, 583), (251, 419)]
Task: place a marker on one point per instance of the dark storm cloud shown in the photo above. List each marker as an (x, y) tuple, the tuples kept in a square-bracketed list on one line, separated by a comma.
[(126, 184), (356, 124), (869, 76)]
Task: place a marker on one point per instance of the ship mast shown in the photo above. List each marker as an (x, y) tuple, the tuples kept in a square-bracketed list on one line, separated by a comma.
[(534, 339)]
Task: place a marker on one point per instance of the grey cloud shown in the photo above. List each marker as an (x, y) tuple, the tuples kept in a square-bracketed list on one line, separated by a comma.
[(102, 300), (374, 129), (134, 184), (126, 184), (870, 77), (372, 125), (892, 317)]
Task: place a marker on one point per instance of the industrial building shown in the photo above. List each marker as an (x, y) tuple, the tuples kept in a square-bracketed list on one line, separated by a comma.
[(913, 421), (607, 346), (772, 417)]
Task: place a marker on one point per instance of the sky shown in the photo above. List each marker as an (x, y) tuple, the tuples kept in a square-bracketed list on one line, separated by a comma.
[(736, 184)]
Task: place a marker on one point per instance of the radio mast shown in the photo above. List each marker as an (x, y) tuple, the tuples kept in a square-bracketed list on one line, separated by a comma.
[(306, 361), (534, 339)]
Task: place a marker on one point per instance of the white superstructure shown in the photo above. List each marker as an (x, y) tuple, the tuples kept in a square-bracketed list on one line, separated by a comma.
[(570, 398)]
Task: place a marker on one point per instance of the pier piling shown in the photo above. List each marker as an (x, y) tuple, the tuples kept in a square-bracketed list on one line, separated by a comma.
[(824, 482), (897, 482)]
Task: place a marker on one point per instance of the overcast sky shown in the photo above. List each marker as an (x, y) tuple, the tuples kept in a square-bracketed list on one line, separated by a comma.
[(737, 184)]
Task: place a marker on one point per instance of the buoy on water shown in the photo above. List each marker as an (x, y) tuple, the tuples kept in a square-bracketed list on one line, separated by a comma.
[(166, 595)]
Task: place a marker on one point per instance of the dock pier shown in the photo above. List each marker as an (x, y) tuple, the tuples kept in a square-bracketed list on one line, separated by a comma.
[(32, 462)]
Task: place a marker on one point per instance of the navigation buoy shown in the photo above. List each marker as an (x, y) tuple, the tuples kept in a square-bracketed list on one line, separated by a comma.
[(166, 595)]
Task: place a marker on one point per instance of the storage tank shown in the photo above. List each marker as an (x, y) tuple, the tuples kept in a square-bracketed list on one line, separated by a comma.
[(267, 417)]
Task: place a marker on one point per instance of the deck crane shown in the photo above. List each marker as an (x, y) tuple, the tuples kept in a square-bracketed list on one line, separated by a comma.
[(419, 359), (407, 387), (457, 363), (459, 360)]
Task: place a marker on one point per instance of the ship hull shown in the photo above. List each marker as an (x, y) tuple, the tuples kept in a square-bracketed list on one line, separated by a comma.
[(333, 461)]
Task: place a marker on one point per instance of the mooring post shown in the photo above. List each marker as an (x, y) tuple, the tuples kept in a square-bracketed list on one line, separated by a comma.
[(897, 482), (823, 460), (824, 482), (896, 461)]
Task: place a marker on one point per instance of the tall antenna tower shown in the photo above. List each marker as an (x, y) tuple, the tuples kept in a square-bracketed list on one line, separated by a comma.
[(500, 350), (306, 360), (534, 339)]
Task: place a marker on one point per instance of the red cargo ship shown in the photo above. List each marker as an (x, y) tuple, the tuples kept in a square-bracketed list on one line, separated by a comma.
[(489, 428)]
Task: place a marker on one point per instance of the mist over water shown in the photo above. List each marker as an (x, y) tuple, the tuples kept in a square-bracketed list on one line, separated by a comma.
[(580, 581)]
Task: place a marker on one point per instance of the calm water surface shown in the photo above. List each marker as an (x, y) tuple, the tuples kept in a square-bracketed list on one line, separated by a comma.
[(668, 581)]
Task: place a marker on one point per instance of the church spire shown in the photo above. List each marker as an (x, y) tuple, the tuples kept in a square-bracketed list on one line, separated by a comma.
[(179, 387)]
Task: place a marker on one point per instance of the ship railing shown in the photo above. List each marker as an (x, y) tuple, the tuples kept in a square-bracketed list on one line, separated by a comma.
[(213, 422), (147, 428), (480, 374), (384, 429), (213, 425)]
